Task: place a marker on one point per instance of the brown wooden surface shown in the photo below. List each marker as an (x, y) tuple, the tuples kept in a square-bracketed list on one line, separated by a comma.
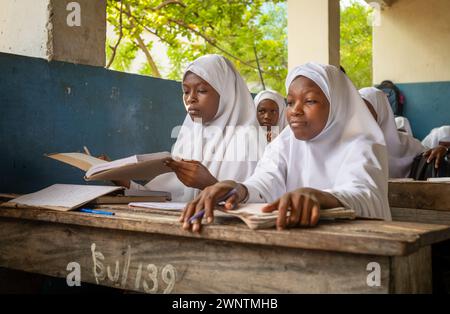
[(360, 236), (189, 265), (420, 195), (427, 216), (412, 273)]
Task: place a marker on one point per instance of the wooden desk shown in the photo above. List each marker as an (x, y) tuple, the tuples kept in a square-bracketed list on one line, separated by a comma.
[(420, 201), (151, 249)]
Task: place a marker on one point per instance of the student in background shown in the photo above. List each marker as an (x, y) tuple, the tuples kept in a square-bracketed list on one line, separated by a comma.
[(270, 112), (333, 154), (403, 125), (210, 145), (402, 148), (436, 135)]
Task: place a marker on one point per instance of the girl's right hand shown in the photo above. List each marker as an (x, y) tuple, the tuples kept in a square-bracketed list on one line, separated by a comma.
[(208, 199)]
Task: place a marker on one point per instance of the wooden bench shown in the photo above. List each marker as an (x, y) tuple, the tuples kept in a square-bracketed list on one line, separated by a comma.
[(149, 252), (420, 201)]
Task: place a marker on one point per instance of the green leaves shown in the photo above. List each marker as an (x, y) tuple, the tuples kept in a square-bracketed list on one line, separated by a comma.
[(191, 28), (356, 44)]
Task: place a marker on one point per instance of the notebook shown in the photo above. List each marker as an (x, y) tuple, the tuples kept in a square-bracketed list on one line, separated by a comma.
[(61, 197), (251, 213)]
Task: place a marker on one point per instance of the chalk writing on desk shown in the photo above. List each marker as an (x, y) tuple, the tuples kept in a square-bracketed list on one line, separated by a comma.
[(147, 275)]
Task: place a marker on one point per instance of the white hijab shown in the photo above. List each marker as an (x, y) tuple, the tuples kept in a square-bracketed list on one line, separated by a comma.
[(348, 158), (403, 125), (401, 147), (436, 135), (279, 100), (226, 154)]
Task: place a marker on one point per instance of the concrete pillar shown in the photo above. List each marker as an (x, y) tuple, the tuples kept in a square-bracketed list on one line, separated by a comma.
[(313, 32), (63, 30), (412, 42)]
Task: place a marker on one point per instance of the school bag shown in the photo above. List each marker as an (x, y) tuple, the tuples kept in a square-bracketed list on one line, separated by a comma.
[(421, 170), (395, 97)]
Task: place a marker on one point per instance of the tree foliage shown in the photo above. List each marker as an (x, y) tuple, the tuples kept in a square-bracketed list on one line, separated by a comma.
[(242, 30), (356, 44), (233, 28)]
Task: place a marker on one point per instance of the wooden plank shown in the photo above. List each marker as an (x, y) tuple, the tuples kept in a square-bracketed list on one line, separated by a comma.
[(360, 236), (169, 264), (412, 274), (427, 216), (420, 194)]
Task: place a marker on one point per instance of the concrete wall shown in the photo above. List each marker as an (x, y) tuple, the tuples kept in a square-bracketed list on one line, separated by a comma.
[(23, 27), (39, 28), (313, 32), (83, 44), (427, 106), (412, 44), (52, 107), (412, 48)]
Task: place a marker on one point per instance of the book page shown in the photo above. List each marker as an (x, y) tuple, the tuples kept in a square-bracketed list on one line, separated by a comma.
[(253, 209), (78, 160), (138, 167), (253, 216), (63, 196), (163, 206)]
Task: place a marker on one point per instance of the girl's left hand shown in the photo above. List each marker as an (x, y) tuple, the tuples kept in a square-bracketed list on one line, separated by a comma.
[(192, 173), (303, 205)]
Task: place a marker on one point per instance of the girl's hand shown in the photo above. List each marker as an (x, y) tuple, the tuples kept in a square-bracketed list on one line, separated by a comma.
[(192, 173), (304, 205), (437, 153), (207, 201)]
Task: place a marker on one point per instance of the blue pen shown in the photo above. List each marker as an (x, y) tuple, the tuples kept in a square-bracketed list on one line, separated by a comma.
[(200, 214), (98, 212)]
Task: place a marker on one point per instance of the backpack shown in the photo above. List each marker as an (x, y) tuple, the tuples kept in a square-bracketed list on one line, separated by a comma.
[(395, 97), (420, 170)]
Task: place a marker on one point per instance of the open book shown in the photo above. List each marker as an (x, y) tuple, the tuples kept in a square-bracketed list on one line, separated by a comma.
[(251, 213), (137, 167), (62, 197)]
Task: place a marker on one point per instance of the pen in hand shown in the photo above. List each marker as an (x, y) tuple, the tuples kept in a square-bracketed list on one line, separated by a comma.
[(200, 214)]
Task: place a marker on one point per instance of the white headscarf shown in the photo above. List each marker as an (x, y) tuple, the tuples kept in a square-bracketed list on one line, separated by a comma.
[(436, 135), (401, 147), (279, 100), (403, 125), (347, 158), (224, 152)]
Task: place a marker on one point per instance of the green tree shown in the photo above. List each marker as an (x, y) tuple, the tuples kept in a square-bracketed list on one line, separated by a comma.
[(252, 34), (356, 44)]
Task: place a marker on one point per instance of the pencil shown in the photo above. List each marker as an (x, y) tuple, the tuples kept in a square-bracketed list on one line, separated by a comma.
[(200, 214), (86, 150)]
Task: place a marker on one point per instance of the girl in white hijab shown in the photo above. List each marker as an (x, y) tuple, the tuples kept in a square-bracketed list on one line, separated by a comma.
[(436, 135), (403, 125), (332, 155), (270, 112), (401, 147), (218, 138)]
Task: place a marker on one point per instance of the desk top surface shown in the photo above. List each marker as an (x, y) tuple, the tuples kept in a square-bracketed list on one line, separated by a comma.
[(358, 236)]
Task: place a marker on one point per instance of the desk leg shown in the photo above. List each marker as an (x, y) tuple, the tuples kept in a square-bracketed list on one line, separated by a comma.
[(412, 273)]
